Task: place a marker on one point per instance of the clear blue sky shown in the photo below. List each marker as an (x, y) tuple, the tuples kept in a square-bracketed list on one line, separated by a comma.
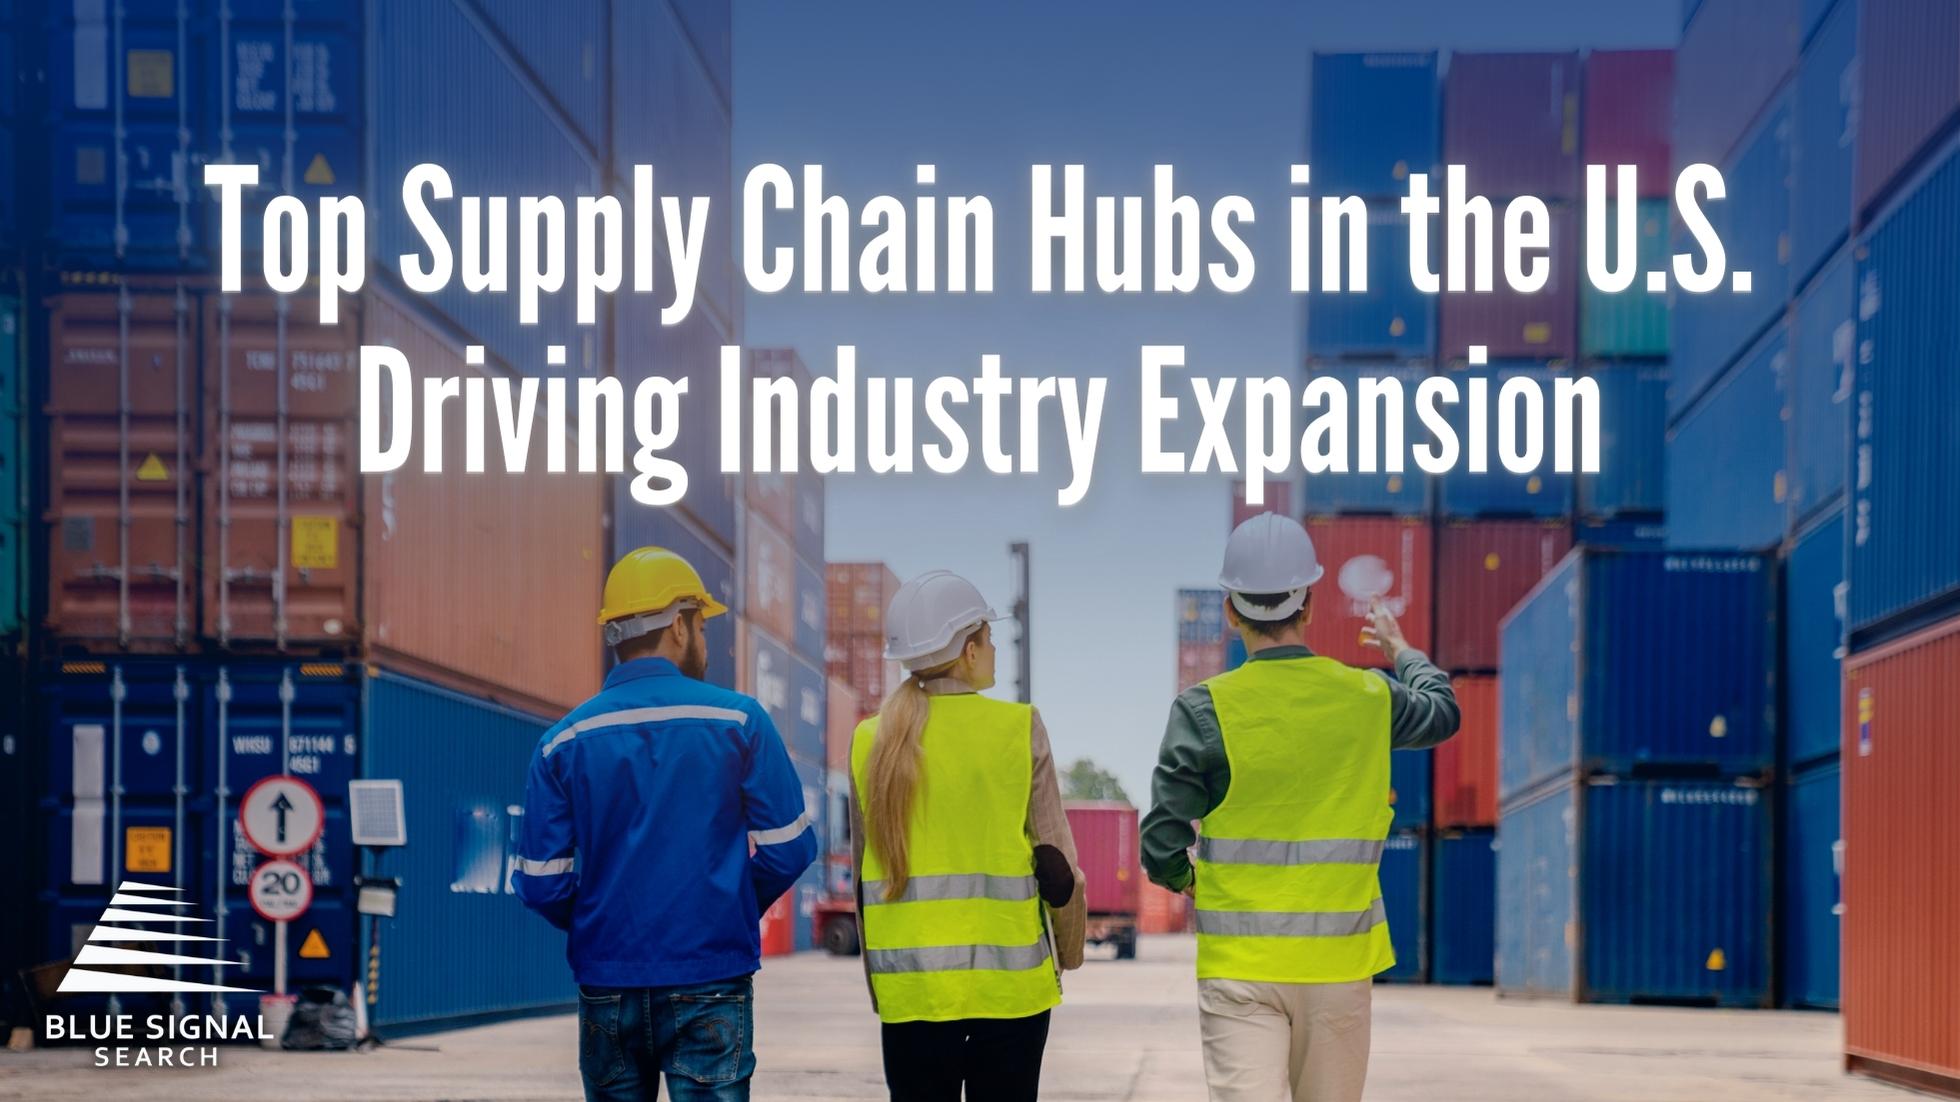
[(983, 91)]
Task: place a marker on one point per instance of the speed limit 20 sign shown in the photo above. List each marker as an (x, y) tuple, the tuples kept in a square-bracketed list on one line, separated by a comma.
[(281, 891)]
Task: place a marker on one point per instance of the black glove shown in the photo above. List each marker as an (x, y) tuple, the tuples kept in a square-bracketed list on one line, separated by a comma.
[(1053, 877)]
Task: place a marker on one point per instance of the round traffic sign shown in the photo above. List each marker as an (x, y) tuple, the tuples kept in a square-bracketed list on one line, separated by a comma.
[(281, 890), (281, 816)]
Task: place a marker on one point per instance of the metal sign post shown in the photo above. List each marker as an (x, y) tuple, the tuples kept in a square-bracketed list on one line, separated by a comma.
[(281, 892)]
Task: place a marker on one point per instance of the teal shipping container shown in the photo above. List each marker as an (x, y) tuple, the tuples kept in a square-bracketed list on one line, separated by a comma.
[(1632, 323)]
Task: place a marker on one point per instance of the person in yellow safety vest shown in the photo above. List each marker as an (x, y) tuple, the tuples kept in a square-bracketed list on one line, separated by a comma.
[(969, 900), (1285, 761)]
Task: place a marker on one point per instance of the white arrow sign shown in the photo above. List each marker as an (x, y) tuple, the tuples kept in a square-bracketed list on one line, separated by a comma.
[(281, 816)]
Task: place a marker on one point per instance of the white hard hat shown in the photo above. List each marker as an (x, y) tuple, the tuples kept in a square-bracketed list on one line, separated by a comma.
[(1270, 553), (930, 618)]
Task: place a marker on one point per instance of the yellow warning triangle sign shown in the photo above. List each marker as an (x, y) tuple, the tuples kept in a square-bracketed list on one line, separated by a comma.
[(314, 947), (152, 470), (318, 171), (1716, 961)]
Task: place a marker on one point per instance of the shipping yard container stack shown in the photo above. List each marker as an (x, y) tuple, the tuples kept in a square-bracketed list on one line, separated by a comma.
[(217, 596), (1900, 969), (856, 596)]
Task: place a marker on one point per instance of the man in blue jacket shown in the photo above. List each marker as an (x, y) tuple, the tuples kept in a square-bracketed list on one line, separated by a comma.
[(661, 818)]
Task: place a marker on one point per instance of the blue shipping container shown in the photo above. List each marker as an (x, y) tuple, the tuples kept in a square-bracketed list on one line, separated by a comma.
[(1824, 131), (1817, 390), (1726, 484), (11, 130), (1401, 493), (565, 46), (636, 525), (1634, 533), (1391, 320), (812, 610), (1634, 891), (1632, 430), (1375, 120), (1200, 615), (1404, 873), (809, 887), (13, 485), (1811, 855), (810, 517), (809, 695), (1627, 661), (1234, 652), (1498, 492), (1814, 12), (770, 682), (1905, 512), (1711, 330), (709, 24), (1463, 908), (1409, 784), (1813, 617), (462, 944)]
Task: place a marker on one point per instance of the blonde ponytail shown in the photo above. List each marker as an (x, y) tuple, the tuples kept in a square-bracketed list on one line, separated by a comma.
[(893, 772)]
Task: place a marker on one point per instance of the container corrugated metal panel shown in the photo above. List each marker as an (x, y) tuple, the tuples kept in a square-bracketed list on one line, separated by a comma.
[(1372, 152), (1625, 661), (1514, 326), (1810, 911), (1410, 777), (1106, 851), (769, 597), (1405, 898), (1905, 500), (1817, 389), (460, 763), (421, 610), (709, 24), (678, 122), (812, 609), (1234, 652), (12, 129), (19, 817), (842, 710), (1813, 618), (1513, 120), (1404, 492), (1825, 113), (1368, 558), (1909, 87), (1278, 495), (1629, 116), (809, 713), (209, 730), (809, 886), (1466, 765), (494, 137), (1901, 965), (764, 671), (859, 593), (1632, 480), (1537, 907), (810, 507), (1674, 892), (13, 475), (1732, 57), (1463, 907), (1726, 483), (1496, 491), (1712, 330), (1482, 569), (565, 46), (636, 525), (1631, 533), (1200, 615), (689, 350), (1633, 323), (1391, 320)]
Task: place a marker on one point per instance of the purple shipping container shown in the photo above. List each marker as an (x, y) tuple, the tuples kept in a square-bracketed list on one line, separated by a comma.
[(1909, 87), (1539, 326), (1630, 115), (1733, 56), (1513, 121)]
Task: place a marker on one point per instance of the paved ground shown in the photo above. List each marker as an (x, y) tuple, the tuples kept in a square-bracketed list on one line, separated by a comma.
[(1127, 1031)]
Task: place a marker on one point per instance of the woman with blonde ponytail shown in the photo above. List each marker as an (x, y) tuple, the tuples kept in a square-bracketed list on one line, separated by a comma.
[(969, 902)]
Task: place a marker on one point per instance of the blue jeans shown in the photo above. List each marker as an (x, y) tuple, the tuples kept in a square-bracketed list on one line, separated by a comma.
[(700, 1035)]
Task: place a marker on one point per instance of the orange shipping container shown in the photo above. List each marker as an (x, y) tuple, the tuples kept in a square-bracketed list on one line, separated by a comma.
[(1163, 911), (1901, 936), (1466, 765), (494, 577)]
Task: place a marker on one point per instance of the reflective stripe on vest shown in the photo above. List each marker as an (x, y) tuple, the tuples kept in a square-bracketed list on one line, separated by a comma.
[(1287, 885), (965, 937)]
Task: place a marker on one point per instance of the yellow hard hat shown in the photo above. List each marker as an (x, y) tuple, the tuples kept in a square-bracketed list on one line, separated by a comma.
[(652, 580)]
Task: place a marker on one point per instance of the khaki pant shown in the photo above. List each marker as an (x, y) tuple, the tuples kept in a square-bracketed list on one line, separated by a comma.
[(1274, 1042)]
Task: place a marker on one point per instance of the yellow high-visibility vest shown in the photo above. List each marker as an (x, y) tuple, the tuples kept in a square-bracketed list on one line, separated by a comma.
[(966, 938), (1287, 889)]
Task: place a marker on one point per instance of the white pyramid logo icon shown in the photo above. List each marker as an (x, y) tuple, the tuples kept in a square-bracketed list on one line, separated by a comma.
[(143, 903)]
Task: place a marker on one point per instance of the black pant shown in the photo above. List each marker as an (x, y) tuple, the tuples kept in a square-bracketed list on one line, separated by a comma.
[(995, 1059)]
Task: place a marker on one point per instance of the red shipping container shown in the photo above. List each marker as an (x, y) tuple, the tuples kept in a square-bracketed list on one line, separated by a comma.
[(1106, 850), (121, 567), (1629, 116), (1909, 86), (779, 926), (1513, 121), (1197, 661), (843, 713), (771, 597), (1483, 567), (1163, 911), (1512, 326), (1466, 765), (1368, 558), (1901, 820), (859, 593), (1279, 499)]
